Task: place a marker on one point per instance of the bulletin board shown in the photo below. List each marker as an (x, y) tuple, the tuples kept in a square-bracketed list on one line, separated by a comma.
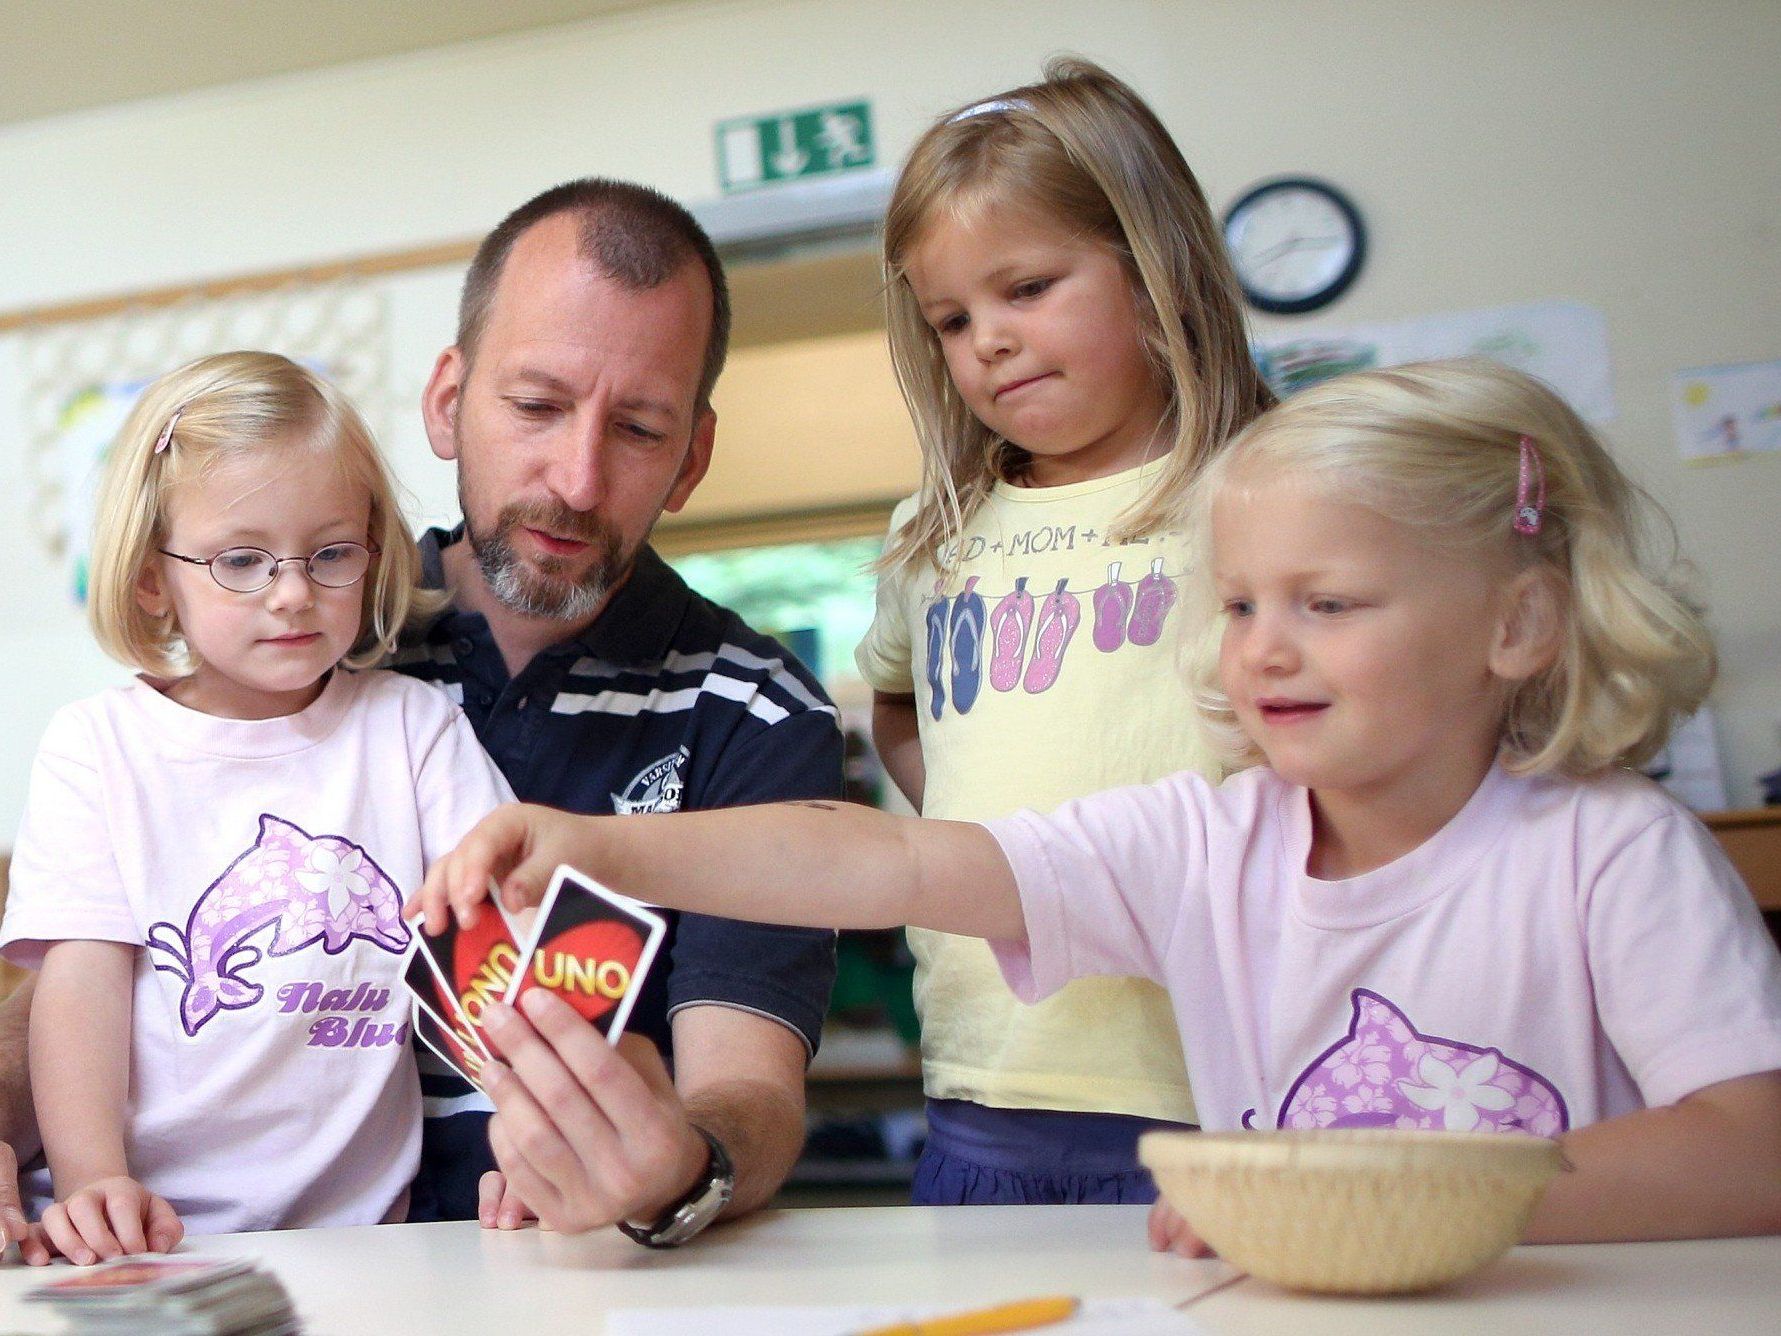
[(70, 373)]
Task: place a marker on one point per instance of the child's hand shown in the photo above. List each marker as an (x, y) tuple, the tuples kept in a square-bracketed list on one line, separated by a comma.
[(110, 1217), (498, 1206), (518, 846), (1170, 1233)]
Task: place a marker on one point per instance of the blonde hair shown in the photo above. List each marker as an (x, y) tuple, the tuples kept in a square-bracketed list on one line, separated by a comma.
[(235, 406), (1081, 148), (1437, 445)]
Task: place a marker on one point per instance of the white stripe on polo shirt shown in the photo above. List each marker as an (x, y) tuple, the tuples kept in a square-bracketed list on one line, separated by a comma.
[(744, 691)]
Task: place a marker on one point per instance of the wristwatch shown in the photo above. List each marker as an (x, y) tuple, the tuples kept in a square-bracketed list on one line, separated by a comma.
[(685, 1218)]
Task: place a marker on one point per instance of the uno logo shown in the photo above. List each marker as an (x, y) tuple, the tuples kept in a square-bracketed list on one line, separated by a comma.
[(488, 982), (590, 966)]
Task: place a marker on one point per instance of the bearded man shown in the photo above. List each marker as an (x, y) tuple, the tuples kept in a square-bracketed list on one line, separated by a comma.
[(576, 403)]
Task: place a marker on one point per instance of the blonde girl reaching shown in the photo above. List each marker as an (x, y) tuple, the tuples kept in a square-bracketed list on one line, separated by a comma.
[(210, 865), (1069, 338), (1441, 901)]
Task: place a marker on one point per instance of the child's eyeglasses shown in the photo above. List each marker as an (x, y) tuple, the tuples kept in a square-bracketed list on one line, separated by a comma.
[(247, 570)]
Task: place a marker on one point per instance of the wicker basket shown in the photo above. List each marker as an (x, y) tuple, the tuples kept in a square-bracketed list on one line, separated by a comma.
[(1353, 1212)]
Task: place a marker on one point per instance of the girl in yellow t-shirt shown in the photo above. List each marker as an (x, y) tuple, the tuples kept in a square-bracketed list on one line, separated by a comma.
[(1069, 337)]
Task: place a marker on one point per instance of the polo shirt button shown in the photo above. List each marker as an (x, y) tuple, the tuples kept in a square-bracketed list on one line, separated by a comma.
[(463, 647)]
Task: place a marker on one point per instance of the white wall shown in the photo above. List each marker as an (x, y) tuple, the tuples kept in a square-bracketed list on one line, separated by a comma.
[(1622, 154)]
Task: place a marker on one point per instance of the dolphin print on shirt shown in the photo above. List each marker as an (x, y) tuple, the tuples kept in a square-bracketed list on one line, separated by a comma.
[(313, 888), (1386, 1073)]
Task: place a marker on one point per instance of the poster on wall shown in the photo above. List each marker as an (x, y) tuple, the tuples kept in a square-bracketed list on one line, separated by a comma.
[(80, 379), (1723, 412), (87, 423), (1565, 344)]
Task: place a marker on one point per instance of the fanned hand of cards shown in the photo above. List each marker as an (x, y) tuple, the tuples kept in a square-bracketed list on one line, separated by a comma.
[(590, 946), (180, 1295)]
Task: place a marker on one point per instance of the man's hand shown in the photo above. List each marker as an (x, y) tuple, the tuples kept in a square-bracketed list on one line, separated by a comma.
[(33, 1244), (586, 1134), (110, 1217), (498, 1206), (1170, 1233)]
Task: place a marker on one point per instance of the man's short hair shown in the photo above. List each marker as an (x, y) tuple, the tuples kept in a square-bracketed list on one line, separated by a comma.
[(635, 236)]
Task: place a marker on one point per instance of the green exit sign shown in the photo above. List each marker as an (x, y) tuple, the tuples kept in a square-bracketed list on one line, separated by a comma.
[(792, 145)]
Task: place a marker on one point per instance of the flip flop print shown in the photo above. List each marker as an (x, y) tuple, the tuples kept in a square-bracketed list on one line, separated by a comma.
[(1113, 604), (1058, 616), (965, 639), (936, 620), (1008, 627), (1156, 595)]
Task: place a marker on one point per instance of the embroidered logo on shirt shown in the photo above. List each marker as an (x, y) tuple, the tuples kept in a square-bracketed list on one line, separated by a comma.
[(655, 788), (1386, 1073), (314, 888)]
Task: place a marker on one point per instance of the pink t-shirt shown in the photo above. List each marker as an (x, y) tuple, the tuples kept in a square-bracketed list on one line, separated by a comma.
[(1558, 953), (260, 865)]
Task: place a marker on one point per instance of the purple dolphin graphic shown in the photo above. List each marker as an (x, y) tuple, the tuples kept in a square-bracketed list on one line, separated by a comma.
[(314, 888)]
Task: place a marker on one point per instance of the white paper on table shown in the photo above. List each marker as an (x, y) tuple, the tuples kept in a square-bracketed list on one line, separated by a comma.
[(1126, 1317)]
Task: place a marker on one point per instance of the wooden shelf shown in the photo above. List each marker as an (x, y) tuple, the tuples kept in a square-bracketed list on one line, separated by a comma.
[(1752, 840)]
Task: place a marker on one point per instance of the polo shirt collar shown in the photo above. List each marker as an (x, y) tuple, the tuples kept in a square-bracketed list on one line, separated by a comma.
[(636, 626)]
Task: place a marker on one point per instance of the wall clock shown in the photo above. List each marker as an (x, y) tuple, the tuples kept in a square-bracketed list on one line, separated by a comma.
[(1297, 244)]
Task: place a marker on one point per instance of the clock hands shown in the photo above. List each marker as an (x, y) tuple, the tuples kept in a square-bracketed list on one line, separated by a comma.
[(1290, 245)]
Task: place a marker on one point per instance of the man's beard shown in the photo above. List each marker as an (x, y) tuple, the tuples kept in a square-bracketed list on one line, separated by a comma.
[(540, 587)]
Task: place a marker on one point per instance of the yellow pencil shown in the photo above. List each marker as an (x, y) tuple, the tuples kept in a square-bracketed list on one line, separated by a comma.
[(1021, 1315)]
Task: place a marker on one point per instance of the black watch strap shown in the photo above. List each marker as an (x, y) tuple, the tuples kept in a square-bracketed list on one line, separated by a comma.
[(686, 1218)]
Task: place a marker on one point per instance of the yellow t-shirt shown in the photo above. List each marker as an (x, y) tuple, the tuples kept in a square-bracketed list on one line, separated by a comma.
[(1044, 667)]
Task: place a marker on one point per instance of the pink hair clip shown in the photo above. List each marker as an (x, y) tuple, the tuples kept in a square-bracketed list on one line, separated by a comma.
[(165, 439), (1530, 491)]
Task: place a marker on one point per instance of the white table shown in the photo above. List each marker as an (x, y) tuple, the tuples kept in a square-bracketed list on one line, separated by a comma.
[(452, 1278)]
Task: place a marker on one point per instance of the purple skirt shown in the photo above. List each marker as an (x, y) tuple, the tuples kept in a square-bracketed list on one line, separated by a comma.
[(979, 1156)]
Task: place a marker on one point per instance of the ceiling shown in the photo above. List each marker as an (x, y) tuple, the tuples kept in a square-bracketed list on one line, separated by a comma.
[(67, 55)]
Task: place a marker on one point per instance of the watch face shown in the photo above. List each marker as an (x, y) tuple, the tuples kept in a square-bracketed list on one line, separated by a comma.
[(1296, 243)]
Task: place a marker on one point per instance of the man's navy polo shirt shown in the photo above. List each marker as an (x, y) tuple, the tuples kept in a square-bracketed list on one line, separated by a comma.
[(666, 702)]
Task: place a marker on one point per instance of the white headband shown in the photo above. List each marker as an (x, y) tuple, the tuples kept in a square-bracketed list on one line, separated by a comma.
[(989, 107)]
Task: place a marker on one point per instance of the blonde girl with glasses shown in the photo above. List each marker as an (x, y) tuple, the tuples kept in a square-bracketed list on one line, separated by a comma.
[(209, 869), (1069, 337), (1438, 899)]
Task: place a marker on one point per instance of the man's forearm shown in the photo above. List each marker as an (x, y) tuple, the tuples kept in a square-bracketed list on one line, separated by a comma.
[(18, 1120), (741, 1077), (761, 1126)]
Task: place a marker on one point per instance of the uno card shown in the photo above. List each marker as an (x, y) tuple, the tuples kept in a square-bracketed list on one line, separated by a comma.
[(136, 1275), (429, 988), (463, 1059), (475, 965), (591, 947)]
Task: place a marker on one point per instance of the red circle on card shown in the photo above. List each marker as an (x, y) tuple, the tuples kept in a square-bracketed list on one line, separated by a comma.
[(590, 967)]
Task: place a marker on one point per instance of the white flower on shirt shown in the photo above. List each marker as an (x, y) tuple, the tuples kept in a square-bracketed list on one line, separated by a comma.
[(271, 865), (1458, 1094), (335, 875), (1367, 1099), (1314, 1107), (1364, 1062)]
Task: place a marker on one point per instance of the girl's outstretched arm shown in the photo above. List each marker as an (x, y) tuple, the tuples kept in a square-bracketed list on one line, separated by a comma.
[(1707, 1166), (817, 863), (80, 1077)]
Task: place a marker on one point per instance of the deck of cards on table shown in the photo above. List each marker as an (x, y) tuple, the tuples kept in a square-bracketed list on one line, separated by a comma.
[(590, 946), (171, 1296)]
